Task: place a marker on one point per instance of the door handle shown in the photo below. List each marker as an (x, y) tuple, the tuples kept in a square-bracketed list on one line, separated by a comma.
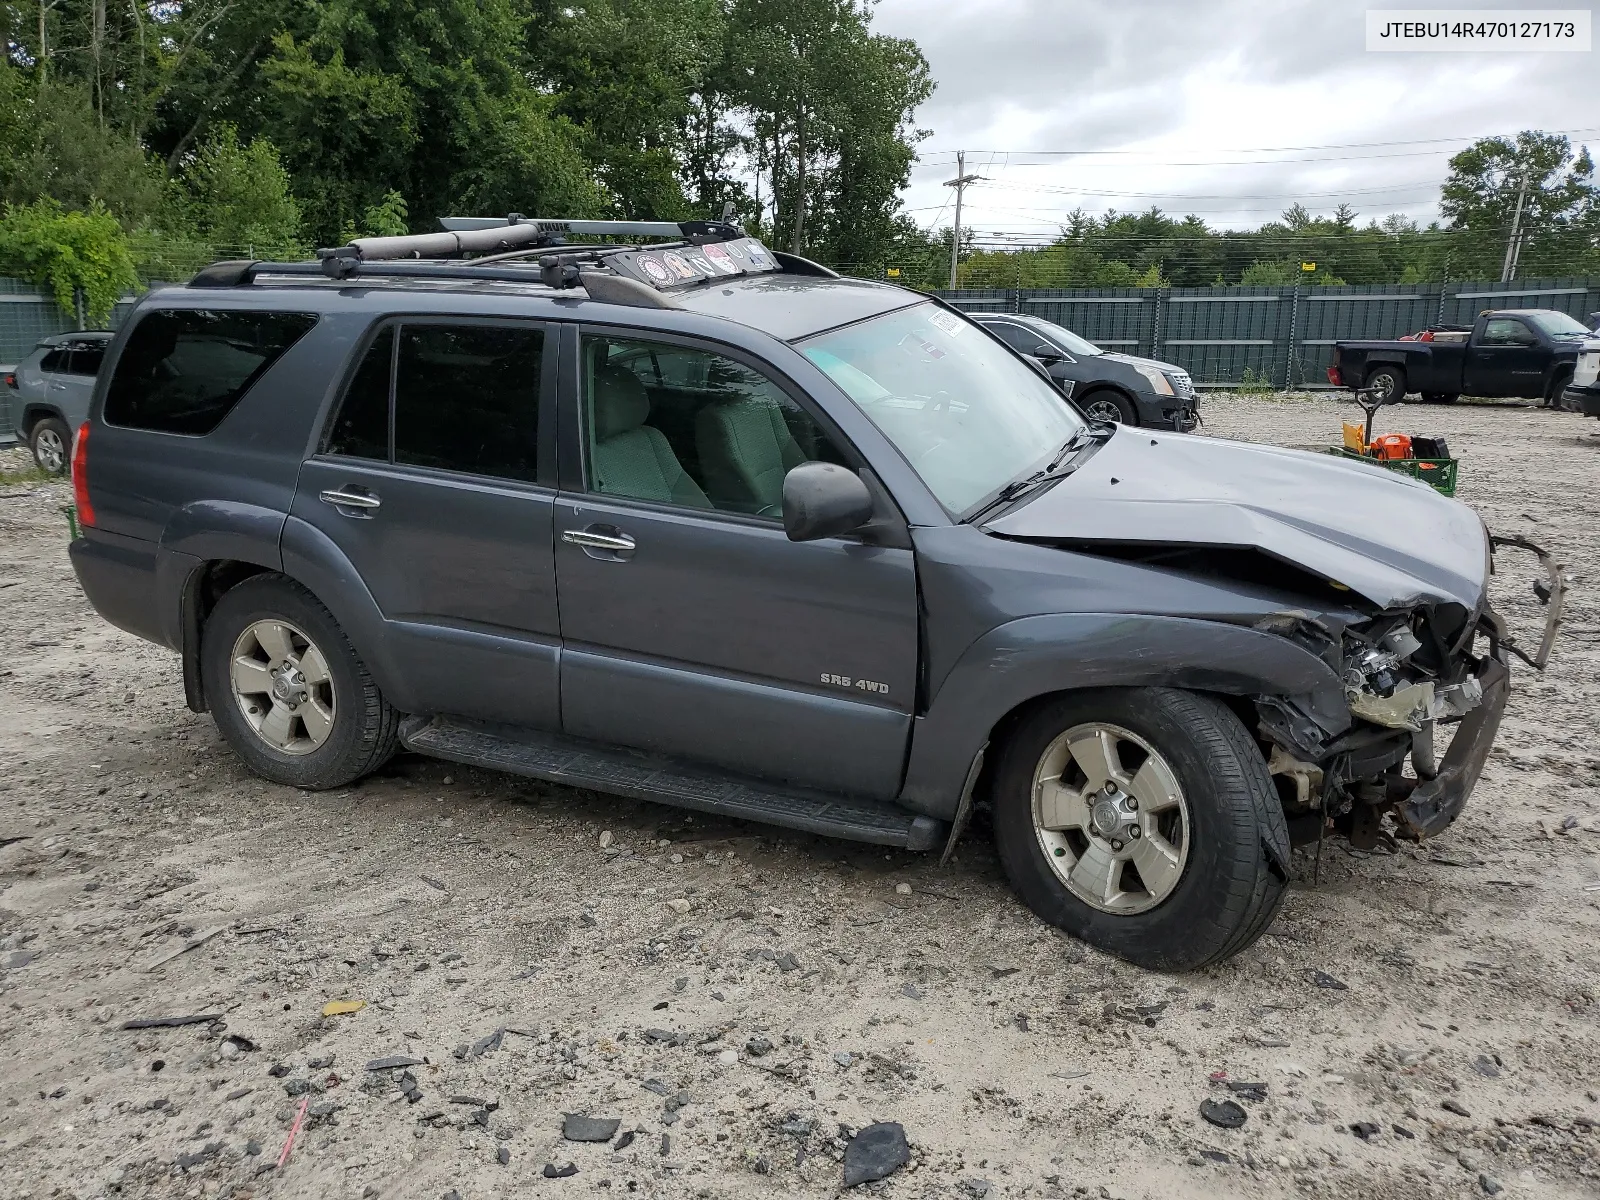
[(345, 498), (593, 539)]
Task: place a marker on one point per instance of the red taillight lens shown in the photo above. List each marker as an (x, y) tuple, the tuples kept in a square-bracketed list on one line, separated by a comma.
[(80, 476), (1334, 377), (11, 379)]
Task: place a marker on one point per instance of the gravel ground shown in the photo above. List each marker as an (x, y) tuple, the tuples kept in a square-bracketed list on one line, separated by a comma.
[(744, 999)]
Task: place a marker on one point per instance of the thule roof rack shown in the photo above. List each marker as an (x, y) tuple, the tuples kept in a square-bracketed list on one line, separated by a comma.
[(534, 250)]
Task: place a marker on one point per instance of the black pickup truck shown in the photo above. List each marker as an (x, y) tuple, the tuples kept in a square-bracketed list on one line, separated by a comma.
[(1528, 352)]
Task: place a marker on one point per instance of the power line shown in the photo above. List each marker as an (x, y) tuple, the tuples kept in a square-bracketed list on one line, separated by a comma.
[(1290, 149)]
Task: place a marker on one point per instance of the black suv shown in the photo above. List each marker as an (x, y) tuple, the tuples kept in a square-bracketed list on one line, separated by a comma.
[(713, 526)]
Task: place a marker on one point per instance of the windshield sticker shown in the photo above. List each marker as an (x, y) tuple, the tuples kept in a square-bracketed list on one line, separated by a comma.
[(680, 268), (948, 322), (718, 257)]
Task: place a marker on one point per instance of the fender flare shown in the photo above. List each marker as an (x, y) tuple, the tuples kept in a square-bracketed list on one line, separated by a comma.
[(1037, 656), (195, 536)]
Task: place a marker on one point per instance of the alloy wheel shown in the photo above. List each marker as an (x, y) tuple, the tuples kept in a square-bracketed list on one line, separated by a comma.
[(283, 687), (50, 451), (1111, 818), (1103, 412)]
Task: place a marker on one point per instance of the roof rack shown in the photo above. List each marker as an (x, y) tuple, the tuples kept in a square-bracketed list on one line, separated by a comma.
[(497, 249)]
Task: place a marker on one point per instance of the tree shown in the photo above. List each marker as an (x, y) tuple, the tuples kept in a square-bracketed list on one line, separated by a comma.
[(1559, 202), (72, 253), (237, 198)]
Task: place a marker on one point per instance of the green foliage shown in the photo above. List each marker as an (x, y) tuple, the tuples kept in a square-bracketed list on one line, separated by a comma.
[(1254, 383), (69, 252), (387, 218), (1560, 203), (237, 196)]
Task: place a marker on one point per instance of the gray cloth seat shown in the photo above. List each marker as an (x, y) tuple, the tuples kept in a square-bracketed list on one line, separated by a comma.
[(746, 448), (629, 457)]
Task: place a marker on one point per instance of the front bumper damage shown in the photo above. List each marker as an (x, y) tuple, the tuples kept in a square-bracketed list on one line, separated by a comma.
[(1345, 764)]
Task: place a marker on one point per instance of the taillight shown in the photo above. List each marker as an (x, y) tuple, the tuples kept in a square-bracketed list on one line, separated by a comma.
[(1334, 377), (80, 476), (11, 379)]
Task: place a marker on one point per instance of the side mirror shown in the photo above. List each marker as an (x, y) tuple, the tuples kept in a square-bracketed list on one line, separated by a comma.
[(823, 500), (1046, 353)]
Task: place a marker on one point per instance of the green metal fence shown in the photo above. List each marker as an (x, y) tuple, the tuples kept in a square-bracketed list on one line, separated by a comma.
[(26, 315), (1283, 336)]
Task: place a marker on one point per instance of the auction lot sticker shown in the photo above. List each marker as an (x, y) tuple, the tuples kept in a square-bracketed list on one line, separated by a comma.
[(1451, 30)]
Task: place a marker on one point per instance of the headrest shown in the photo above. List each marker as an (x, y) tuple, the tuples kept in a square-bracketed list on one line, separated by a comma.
[(620, 402)]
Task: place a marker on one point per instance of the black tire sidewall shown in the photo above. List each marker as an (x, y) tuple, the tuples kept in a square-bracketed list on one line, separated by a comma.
[(1394, 394), (1127, 413), (1199, 922), (60, 426), (342, 756)]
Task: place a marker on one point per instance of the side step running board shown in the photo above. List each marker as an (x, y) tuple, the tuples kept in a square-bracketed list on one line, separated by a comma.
[(626, 773)]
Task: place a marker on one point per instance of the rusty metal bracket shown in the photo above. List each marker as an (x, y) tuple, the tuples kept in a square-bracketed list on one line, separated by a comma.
[(1551, 594)]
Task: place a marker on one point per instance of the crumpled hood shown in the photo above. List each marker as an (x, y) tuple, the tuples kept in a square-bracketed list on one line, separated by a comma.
[(1387, 537)]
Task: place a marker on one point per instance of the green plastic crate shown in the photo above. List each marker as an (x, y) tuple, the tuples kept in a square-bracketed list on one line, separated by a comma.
[(1438, 473)]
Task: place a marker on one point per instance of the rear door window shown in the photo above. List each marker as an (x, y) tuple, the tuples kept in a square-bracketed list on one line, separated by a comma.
[(184, 370), (56, 360), (86, 360), (451, 396)]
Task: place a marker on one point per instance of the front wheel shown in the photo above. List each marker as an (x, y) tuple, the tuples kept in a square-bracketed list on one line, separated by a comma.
[(1143, 821), (1109, 408), (51, 443), (287, 690)]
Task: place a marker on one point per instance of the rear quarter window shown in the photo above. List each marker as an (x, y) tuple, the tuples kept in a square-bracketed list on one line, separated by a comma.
[(184, 370)]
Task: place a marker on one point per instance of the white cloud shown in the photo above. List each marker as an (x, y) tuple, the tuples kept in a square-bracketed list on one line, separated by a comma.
[(1186, 93)]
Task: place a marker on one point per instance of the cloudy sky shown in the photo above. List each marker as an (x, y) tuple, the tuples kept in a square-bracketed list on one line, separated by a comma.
[(1231, 109)]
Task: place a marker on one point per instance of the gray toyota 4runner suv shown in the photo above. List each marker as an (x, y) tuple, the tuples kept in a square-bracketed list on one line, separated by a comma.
[(712, 526)]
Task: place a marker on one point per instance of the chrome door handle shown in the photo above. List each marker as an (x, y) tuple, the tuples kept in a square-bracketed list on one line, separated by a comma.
[(340, 498), (620, 542)]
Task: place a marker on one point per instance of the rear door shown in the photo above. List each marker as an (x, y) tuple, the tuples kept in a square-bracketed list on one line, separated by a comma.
[(692, 626), (435, 479), (1506, 360)]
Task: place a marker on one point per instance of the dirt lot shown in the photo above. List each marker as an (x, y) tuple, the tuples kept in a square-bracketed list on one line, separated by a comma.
[(1446, 994)]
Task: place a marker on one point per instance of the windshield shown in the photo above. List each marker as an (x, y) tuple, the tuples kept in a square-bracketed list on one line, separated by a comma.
[(968, 415), (1557, 324), (1065, 338)]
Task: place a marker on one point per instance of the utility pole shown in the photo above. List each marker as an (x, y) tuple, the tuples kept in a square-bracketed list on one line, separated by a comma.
[(960, 184), (1514, 243)]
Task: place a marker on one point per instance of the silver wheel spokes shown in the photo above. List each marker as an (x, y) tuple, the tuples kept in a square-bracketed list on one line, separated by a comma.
[(52, 454), (1111, 818), (283, 687), (1104, 411)]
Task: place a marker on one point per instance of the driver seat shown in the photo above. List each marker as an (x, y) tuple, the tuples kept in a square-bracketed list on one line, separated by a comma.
[(746, 448)]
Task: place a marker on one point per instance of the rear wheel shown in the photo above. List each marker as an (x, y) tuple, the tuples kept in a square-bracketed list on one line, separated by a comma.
[(1109, 408), (51, 443), (287, 690), (1389, 383), (1143, 821)]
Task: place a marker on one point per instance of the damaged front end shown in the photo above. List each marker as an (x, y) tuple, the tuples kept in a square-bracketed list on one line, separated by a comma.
[(1411, 679)]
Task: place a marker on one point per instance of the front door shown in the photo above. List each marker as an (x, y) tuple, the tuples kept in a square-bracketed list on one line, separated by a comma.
[(692, 626), (429, 479), (1506, 361)]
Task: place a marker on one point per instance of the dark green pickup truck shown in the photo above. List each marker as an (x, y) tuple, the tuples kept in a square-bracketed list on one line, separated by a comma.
[(1527, 352)]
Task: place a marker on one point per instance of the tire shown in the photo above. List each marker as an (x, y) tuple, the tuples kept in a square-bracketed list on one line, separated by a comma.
[(1391, 382), (1233, 872), (1439, 398), (51, 443), (1099, 406), (359, 730), (1558, 384)]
